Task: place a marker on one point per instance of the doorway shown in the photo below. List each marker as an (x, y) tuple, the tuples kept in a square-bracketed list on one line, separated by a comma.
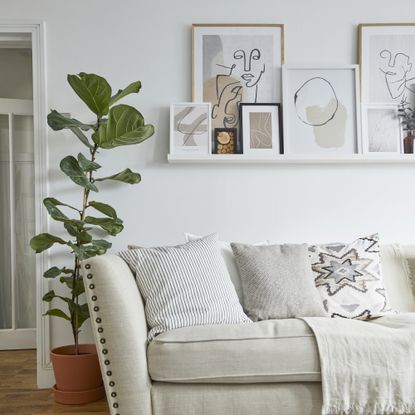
[(17, 194)]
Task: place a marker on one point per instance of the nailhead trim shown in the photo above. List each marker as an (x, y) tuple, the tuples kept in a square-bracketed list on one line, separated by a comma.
[(102, 340)]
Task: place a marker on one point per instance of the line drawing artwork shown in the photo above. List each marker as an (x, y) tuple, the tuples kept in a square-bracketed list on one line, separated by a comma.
[(317, 105), (190, 128), (315, 84), (396, 72), (229, 87)]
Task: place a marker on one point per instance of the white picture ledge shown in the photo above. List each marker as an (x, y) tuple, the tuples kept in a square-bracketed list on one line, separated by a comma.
[(291, 159)]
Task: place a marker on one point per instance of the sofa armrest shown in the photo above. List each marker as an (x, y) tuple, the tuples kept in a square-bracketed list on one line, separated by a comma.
[(120, 331)]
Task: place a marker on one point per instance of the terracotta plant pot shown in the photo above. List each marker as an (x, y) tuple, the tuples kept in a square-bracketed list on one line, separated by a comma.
[(78, 377)]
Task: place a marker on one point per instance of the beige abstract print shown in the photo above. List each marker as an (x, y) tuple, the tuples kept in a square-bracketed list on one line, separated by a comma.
[(260, 130)]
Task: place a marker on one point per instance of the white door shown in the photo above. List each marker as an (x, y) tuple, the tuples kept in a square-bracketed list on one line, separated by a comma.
[(17, 225)]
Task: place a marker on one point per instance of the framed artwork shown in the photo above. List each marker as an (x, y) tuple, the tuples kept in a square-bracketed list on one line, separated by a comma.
[(387, 58), (225, 141), (190, 128), (261, 129), (382, 131), (235, 63), (321, 110)]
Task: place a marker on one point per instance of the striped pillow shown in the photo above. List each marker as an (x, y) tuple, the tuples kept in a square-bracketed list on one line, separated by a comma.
[(185, 285)]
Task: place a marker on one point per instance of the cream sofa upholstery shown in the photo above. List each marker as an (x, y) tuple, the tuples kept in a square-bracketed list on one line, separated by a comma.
[(269, 367)]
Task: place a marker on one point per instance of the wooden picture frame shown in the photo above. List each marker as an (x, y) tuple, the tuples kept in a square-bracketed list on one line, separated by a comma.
[(234, 63)]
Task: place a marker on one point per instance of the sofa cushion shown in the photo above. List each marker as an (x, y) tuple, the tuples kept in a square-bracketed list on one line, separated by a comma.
[(276, 281), (184, 285), (265, 351)]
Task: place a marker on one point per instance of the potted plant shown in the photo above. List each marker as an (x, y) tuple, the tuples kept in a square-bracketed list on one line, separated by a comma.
[(76, 366), (407, 115)]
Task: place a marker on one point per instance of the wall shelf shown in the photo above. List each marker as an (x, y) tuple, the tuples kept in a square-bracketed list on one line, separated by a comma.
[(291, 159)]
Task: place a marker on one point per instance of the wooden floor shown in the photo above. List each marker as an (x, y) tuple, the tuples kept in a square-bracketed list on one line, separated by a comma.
[(19, 395)]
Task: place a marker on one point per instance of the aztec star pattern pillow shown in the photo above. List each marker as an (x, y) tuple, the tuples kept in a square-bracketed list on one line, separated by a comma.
[(349, 278)]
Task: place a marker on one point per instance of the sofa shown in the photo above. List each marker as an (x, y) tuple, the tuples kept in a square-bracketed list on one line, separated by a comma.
[(268, 367)]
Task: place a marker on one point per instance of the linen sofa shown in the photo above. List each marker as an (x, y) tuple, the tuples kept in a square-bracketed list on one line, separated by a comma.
[(268, 367)]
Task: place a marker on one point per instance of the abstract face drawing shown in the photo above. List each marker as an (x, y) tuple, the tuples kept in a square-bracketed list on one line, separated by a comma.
[(396, 71), (249, 66)]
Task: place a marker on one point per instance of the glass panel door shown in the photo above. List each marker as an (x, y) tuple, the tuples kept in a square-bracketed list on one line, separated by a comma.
[(24, 221), (17, 226), (5, 227)]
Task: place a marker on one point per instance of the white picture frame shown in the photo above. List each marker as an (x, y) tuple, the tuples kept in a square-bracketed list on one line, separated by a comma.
[(190, 128), (382, 129), (235, 63), (261, 129), (321, 110)]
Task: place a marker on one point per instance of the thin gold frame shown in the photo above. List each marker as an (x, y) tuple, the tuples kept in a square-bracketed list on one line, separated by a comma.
[(360, 29), (196, 25)]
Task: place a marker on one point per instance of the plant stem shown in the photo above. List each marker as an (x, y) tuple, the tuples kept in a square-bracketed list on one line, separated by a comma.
[(76, 276)]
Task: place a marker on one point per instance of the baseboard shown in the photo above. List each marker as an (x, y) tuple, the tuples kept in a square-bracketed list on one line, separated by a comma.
[(45, 378)]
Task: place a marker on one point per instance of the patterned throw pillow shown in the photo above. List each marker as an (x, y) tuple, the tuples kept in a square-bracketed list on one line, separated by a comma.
[(349, 278), (185, 285)]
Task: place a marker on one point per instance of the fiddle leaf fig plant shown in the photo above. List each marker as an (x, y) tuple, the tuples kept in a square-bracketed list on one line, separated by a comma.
[(114, 126)]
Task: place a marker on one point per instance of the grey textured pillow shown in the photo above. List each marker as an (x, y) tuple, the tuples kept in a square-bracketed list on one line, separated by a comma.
[(276, 281)]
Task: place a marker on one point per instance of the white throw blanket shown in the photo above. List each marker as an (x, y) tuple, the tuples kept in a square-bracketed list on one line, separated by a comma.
[(367, 368)]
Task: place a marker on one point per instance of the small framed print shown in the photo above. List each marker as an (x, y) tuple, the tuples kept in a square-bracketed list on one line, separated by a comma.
[(261, 129), (382, 130), (225, 141), (190, 128)]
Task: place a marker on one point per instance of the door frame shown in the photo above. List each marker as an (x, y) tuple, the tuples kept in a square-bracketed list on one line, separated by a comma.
[(37, 30)]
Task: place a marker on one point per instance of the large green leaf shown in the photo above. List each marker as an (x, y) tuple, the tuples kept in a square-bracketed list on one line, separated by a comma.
[(80, 314), (58, 121), (82, 137), (87, 165), (70, 166), (133, 88), (55, 272), (93, 90), (43, 241), (49, 296), (96, 247), (104, 208), (125, 176), (56, 202), (54, 212), (125, 126), (79, 285), (112, 226), (57, 313)]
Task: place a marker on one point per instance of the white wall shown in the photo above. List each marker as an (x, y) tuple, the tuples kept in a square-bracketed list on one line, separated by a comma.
[(150, 40)]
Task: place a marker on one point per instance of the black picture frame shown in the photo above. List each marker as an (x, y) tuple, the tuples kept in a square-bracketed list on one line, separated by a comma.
[(280, 122)]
